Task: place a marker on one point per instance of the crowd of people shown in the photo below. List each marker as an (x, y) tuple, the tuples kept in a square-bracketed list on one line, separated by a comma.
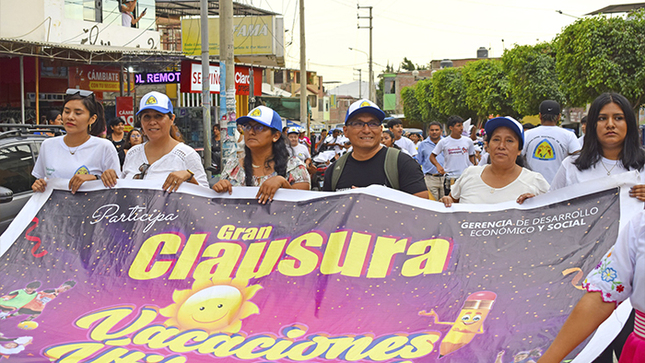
[(500, 163)]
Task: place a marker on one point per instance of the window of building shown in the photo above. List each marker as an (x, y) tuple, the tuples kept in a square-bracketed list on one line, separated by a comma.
[(389, 86), (278, 77)]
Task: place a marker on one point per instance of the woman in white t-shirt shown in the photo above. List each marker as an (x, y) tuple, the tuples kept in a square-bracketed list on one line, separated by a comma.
[(503, 180), (611, 145), (79, 155), (163, 156)]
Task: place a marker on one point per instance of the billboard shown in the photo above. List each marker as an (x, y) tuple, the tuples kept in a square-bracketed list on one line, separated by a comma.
[(191, 78)]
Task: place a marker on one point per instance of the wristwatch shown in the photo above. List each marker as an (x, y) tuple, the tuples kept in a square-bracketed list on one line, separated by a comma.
[(191, 174)]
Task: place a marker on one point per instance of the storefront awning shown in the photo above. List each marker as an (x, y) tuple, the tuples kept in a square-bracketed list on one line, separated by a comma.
[(89, 54), (171, 8)]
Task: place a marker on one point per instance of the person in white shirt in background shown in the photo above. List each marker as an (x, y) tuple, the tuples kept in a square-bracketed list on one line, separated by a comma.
[(127, 13), (396, 126), (458, 151), (297, 149), (548, 145), (583, 128)]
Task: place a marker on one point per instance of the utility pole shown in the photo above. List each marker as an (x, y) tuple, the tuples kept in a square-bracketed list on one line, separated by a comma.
[(371, 72), (303, 69), (360, 83), (227, 78), (206, 85)]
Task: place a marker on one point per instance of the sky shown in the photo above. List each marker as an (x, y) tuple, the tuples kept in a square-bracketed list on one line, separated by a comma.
[(419, 30)]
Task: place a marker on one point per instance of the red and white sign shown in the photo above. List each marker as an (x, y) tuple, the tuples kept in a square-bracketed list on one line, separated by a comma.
[(191, 79), (125, 110)]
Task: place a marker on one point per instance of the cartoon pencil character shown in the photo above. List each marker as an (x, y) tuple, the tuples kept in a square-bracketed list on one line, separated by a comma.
[(36, 306), (469, 322), (18, 298)]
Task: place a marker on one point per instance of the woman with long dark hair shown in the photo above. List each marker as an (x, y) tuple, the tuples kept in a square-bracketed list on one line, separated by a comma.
[(266, 162), (79, 155), (611, 145)]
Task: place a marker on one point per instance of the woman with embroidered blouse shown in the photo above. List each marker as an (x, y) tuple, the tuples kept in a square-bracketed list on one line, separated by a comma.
[(266, 161)]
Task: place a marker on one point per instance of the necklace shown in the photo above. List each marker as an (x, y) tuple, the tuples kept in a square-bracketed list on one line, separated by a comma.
[(76, 149), (255, 166), (608, 170)]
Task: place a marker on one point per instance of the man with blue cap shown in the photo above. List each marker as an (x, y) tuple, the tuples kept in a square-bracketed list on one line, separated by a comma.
[(370, 162)]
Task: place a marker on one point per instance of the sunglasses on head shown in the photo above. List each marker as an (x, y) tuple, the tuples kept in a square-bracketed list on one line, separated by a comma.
[(80, 92)]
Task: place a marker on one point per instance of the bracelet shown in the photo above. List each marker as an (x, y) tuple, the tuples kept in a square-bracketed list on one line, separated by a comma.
[(191, 174), (97, 177)]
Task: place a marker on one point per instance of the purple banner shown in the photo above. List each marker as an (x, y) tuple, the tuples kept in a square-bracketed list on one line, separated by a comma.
[(143, 276)]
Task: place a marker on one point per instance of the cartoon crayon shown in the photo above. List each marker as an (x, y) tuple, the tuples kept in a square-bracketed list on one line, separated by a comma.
[(469, 322)]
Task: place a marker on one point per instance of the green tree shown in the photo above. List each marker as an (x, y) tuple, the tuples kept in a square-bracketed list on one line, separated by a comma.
[(411, 104), (449, 93), (600, 54), (486, 88), (407, 64), (532, 77), (423, 92)]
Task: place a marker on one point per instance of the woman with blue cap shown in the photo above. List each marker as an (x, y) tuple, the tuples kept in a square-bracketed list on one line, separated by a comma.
[(266, 162), (164, 156), (505, 178)]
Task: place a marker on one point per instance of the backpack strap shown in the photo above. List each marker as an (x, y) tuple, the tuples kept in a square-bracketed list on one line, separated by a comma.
[(337, 170), (392, 167)]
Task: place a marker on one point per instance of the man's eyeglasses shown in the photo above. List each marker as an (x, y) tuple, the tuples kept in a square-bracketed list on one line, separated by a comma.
[(80, 92), (143, 169), (256, 127), (359, 125)]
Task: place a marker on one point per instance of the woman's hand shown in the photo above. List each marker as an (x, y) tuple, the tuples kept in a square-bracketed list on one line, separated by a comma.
[(39, 185), (78, 180), (174, 180), (223, 186), (638, 192), (109, 178), (524, 197), (269, 187), (447, 201)]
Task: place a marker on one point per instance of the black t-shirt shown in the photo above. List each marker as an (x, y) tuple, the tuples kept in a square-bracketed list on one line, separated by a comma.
[(119, 148), (365, 173)]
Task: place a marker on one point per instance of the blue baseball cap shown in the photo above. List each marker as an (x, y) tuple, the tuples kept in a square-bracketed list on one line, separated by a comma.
[(364, 105), (506, 121), (155, 101), (264, 116)]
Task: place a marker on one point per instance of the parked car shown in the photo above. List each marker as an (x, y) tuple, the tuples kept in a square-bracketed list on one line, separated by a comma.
[(19, 147)]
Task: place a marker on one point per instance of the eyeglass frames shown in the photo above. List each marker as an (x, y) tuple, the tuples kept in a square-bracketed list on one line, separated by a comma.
[(143, 169)]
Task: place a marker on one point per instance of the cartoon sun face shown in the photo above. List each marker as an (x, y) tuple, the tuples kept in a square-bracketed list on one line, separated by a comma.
[(213, 306), (470, 320)]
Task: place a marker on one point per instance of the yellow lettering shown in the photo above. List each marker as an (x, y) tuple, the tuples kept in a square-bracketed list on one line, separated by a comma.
[(73, 352), (353, 348), (278, 350), (297, 352), (422, 344), (431, 262), (250, 234), (220, 344), (264, 232), (188, 256), (354, 258), (226, 232), (246, 350), (219, 267), (304, 261), (109, 318), (119, 355), (384, 251), (387, 348), (249, 267), (178, 345), (238, 232), (155, 336), (144, 267)]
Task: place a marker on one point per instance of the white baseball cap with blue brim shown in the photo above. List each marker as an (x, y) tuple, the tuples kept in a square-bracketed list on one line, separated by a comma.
[(293, 130), (155, 101), (506, 121), (263, 115), (362, 106)]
